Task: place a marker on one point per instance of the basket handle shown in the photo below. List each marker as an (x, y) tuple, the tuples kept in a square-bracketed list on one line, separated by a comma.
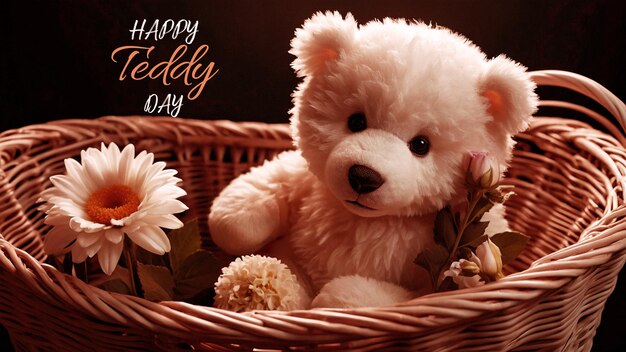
[(591, 89)]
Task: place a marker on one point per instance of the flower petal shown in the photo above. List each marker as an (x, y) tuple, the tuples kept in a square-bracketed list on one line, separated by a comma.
[(150, 238), (141, 164), (170, 206), (79, 254), (155, 169), (58, 239), (476, 260), (116, 222), (94, 248), (164, 192), (490, 258), (114, 235), (74, 169), (144, 160), (167, 221), (109, 256), (56, 219), (77, 173), (112, 154), (86, 239), (125, 169), (167, 173), (76, 191), (79, 224), (147, 179), (67, 207), (94, 169)]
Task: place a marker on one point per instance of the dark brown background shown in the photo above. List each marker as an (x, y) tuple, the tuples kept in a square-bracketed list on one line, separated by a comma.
[(56, 59)]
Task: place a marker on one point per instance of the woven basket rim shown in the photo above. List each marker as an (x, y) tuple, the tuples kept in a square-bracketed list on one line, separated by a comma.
[(563, 265)]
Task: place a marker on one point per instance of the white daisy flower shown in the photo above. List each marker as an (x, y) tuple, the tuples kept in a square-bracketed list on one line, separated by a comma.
[(107, 195)]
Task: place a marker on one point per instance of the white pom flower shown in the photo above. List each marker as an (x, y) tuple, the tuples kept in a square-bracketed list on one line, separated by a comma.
[(107, 195), (257, 282)]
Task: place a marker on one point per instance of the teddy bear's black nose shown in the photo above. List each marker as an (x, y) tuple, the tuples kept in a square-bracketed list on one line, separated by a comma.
[(363, 179)]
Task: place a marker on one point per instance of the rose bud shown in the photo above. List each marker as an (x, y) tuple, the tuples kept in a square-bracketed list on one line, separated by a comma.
[(482, 170), (490, 259)]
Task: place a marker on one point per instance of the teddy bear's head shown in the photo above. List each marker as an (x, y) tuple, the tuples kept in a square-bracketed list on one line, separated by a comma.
[(388, 110)]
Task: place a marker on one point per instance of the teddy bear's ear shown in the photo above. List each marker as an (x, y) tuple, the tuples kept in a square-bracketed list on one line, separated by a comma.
[(509, 93), (321, 39)]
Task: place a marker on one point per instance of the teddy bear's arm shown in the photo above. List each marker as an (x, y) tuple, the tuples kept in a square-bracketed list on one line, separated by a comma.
[(354, 291), (253, 209)]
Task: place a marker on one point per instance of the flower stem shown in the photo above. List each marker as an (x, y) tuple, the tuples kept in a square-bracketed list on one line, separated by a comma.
[(86, 272), (474, 198), (130, 257), (81, 271)]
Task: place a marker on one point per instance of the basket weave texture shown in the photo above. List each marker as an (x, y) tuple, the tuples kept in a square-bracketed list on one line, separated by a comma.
[(569, 179)]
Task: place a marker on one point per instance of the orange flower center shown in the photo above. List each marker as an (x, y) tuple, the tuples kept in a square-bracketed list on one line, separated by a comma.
[(113, 202)]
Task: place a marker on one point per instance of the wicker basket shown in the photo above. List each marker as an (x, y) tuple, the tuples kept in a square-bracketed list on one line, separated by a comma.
[(568, 175)]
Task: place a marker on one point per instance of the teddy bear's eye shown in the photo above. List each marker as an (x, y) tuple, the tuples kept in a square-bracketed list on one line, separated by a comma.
[(357, 122), (419, 145)]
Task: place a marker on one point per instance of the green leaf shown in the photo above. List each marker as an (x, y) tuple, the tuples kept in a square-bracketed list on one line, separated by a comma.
[(476, 242), (499, 195), (116, 285), (205, 297), (433, 259), (156, 281), (432, 256), (457, 219), (185, 242), (445, 229), (421, 260), (511, 244), (473, 231), (464, 253), (145, 257), (482, 206), (447, 285), (197, 272)]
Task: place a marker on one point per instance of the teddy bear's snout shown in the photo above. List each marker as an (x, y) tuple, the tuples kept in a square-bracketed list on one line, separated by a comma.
[(363, 179)]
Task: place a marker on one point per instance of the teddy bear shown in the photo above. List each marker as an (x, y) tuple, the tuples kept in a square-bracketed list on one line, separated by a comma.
[(381, 122)]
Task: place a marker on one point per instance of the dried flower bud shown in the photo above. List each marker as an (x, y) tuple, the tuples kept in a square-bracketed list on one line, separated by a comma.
[(482, 170), (462, 279), (490, 259), (469, 268)]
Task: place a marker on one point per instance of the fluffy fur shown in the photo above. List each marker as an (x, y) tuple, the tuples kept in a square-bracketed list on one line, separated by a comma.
[(409, 79)]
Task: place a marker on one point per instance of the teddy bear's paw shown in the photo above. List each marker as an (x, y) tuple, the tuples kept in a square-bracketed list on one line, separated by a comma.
[(244, 228), (357, 291)]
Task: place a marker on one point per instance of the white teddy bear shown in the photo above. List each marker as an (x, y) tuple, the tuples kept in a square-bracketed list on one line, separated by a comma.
[(382, 121)]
